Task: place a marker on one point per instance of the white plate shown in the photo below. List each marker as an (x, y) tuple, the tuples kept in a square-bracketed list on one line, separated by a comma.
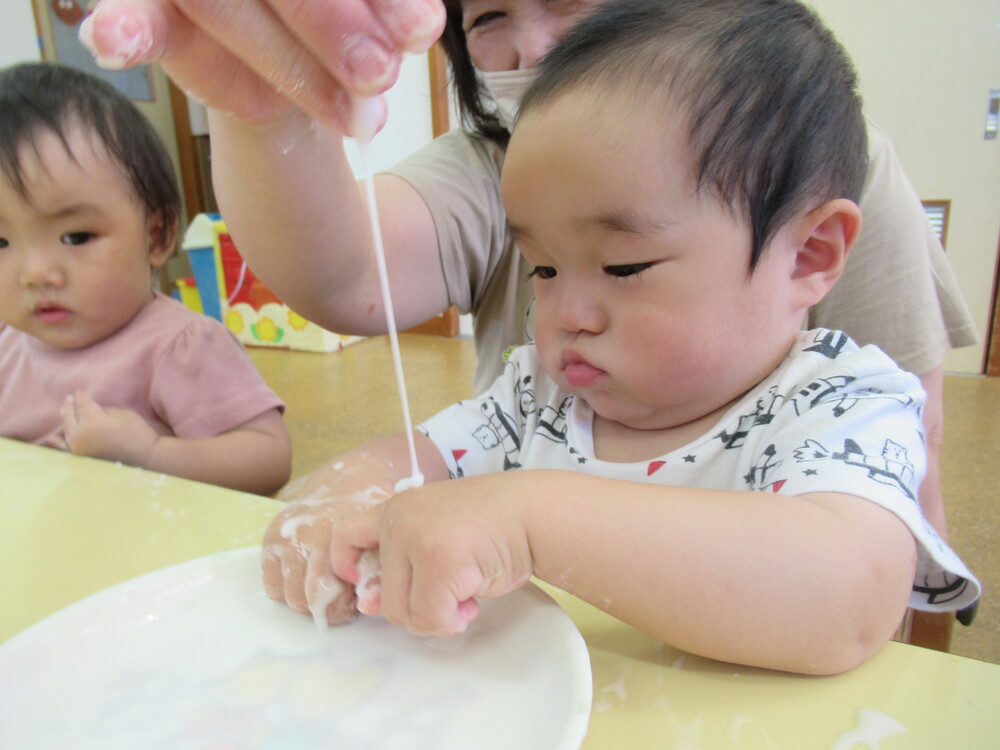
[(196, 656)]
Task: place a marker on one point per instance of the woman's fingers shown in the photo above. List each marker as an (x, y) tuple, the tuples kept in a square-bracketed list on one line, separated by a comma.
[(251, 59), (414, 25), (243, 63), (345, 38)]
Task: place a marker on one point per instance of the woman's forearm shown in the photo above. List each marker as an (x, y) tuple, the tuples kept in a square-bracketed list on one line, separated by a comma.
[(296, 212), (292, 205)]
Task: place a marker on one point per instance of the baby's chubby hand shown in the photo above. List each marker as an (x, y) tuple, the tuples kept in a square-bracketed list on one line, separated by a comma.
[(441, 545), (109, 433)]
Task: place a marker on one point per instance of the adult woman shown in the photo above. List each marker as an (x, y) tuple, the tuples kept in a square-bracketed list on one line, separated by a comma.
[(276, 68)]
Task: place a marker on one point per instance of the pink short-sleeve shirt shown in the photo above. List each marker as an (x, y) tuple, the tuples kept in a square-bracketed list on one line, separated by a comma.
[(184, 373)]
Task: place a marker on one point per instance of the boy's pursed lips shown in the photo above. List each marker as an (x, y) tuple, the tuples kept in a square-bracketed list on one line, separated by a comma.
[(578, 371)]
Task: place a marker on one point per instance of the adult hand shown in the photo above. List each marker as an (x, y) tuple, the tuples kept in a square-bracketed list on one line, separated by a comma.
[(109, 433), (257, 59)]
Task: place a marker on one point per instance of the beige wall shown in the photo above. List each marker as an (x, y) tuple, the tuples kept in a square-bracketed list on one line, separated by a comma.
[(926, 69), (18, 40)]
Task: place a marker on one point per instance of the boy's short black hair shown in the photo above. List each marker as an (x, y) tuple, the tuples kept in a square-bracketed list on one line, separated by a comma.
[(38, 97), (774, 118)]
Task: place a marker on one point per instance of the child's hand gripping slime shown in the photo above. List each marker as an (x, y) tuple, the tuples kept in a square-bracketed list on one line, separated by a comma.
[(441, 545)]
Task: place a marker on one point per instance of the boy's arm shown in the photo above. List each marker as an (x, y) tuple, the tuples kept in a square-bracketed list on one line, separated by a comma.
[(811, 584)]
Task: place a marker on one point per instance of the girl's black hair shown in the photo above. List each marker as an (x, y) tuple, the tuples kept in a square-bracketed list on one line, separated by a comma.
[(38, 97)]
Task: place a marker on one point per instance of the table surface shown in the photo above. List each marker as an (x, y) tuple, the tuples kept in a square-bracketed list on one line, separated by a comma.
[(72, 526), (351, 396)]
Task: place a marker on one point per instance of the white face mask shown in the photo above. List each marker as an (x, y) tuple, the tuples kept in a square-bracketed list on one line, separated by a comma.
[(506, 88)]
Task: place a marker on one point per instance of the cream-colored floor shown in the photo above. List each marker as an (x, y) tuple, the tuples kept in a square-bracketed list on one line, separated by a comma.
[(336, 401)]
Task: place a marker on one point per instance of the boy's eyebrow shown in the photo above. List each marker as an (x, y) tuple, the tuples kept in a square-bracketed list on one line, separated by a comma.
[(628, 222), (624, 222)]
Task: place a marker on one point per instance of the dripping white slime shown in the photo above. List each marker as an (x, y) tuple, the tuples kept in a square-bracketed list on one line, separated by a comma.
[(320, 582), (367, 116)]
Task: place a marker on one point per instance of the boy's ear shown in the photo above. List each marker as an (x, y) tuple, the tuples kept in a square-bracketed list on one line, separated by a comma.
[(825, 237), (162, 232)]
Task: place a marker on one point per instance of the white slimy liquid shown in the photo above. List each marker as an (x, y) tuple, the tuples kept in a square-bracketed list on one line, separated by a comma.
[(873, 727), (369, 583), (411, 482), (290, 528), (367, 115), (322, 590)]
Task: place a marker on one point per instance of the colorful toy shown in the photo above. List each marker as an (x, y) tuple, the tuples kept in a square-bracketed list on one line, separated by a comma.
[(187, 292), (230, 293)]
